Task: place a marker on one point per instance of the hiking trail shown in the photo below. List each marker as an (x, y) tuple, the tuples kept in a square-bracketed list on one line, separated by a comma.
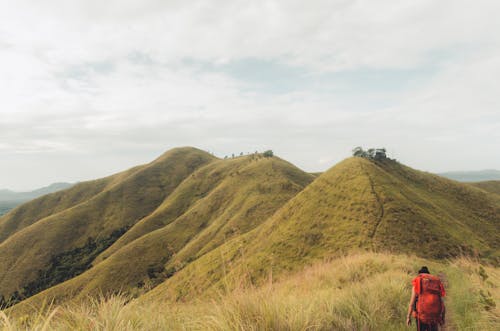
[(379, 201), (448, 326)]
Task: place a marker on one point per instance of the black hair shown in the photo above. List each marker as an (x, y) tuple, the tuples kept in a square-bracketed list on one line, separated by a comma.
[(424, 270)]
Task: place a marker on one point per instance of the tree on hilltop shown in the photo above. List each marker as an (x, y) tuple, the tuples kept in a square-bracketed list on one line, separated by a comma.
[(268, 153), (371, 153), (359, 152)]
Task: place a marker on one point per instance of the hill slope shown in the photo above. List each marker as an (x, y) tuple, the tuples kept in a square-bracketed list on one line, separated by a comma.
[(492, 186), (10, 199), (219, 201), (33, 211), (62, 233), (232, 223), (8, 195), (355, 292), (358, 204)]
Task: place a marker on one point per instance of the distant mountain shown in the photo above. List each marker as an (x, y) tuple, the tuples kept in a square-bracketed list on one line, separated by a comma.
[(472, 176), (10, 199), (6, 206), (8, 195)]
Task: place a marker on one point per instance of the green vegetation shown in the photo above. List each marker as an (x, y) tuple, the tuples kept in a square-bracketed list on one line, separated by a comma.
[(60, 222), (64, 266), (268, 153), (492, 186), (355, 292), (356, 205), (35, 210), (371, 153), (218, 202), (9, 199), (201, 228)]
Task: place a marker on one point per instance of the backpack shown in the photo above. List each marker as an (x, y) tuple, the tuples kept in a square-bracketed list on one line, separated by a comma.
[(429, 305)]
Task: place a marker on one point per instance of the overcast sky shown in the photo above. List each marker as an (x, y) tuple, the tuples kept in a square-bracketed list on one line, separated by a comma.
[(89, 88)]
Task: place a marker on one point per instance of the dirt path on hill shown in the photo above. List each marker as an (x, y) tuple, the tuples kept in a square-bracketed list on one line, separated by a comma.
[(379, 201), (448, 325)]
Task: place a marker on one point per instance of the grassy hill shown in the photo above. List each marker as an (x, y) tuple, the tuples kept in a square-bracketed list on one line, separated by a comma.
[(8, 195), (356, 205), (216, 202), (61, 232), (366, 291), (189, 225), (33, 211), (492, 186), (10, 199)]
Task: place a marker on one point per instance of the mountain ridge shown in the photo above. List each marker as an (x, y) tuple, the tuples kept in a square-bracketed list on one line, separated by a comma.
[(287, 248), (142, 188), (148, 252), (10, 199), (227, 222)]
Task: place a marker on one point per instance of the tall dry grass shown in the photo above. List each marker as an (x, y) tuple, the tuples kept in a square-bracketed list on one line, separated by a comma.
[(357, 292)]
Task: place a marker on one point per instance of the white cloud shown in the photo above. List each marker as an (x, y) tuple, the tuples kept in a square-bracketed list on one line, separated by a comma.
[(325, 34), (116, 80)]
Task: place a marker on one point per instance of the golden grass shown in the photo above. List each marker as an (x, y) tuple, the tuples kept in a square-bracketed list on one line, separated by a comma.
[(217, 202), (223, 225), (341, 211), (492, 186), (93, 209), (367, 291)]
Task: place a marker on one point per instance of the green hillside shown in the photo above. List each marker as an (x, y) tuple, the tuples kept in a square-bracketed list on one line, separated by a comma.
[(190, 225), (219, 201), (61, 232), (8, 195), (33, 211), (368, 291), (356, 205), (492, 186)]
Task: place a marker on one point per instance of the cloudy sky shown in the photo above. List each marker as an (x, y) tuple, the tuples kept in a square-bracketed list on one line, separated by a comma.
[(89, 88)]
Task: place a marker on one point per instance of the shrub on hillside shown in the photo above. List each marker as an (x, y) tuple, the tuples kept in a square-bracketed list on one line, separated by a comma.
[(64, 266), (268, 153), (371, 153)]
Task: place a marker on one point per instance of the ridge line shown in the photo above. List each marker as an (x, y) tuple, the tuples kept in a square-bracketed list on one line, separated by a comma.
[(379, 201)]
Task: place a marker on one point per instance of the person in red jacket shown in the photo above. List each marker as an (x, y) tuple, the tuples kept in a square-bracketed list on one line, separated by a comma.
[(426, 303)]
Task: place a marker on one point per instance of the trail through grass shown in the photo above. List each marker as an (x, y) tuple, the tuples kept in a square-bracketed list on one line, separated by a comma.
[(357, 292)]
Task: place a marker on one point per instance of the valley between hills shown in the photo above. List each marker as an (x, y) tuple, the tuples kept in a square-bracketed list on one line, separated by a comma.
[(189, 228)]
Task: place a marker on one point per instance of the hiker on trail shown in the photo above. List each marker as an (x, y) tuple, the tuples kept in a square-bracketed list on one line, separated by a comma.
[(426, 303)]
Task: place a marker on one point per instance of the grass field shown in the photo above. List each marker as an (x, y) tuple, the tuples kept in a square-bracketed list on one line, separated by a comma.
[(368, 291), (492, 186), (241, 244), (64, 221), (356, 205)]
